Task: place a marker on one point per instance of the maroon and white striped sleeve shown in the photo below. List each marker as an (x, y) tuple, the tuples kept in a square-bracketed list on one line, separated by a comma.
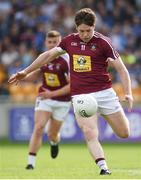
[(109, 50)]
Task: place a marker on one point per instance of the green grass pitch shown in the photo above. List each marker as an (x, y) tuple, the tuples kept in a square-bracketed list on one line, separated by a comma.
[(73, 162)]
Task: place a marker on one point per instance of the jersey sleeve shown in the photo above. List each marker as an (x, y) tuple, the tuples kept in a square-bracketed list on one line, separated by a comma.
[(109, 50), (65, 64), (65, 67), (66, 57), (62, 46)]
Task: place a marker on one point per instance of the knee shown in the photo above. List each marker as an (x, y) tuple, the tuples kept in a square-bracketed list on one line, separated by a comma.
[(89, 133), (124, 133), (39, 130)]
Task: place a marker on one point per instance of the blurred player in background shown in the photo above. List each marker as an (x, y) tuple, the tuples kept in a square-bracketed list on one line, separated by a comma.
[(53, 102), (90, 55)]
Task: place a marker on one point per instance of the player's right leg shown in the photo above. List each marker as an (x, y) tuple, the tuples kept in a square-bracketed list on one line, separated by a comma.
[(41, 118), (90, 130)]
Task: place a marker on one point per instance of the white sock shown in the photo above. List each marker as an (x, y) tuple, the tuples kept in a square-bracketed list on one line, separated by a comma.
[(102, 163), (53, 143), (31, 159)]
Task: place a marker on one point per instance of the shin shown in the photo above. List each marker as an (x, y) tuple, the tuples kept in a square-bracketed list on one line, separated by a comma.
[(90, 130)]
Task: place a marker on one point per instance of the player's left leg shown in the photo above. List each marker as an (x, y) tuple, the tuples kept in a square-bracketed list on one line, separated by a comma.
[(119, 123), (111, 109), (60, 111), (54, 136)]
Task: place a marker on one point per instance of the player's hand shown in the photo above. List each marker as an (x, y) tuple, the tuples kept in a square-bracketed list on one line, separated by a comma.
[(46, 94), (129, 100), (15, 78)]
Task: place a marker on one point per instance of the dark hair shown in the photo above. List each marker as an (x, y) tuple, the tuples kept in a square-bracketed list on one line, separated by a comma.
[(53, 33), (85, 16)]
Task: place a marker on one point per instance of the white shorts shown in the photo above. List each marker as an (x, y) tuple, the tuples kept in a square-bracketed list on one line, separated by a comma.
[(59, 109), (107, 100)]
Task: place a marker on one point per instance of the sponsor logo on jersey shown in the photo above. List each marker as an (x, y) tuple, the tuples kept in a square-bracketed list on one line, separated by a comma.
[(52, 80), (81, 63)]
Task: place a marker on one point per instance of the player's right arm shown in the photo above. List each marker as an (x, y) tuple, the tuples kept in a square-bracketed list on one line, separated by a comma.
[(42, 59), (33, 76)]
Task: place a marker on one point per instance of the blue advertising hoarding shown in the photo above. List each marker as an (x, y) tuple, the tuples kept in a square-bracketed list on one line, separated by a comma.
[(22, 122), (134, 117)]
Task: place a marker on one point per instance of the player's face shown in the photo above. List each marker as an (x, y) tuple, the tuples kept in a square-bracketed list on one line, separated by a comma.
[(52, 42), (85, 32)]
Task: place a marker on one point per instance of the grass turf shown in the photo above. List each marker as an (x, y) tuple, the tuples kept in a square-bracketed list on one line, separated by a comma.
[(73, 162)]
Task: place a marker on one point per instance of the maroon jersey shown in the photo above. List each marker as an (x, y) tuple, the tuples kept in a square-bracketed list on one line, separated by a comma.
[(88, 62), (54, 76)]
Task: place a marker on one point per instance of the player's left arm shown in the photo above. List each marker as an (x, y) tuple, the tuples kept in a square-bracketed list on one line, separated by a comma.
[(125, 79)]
